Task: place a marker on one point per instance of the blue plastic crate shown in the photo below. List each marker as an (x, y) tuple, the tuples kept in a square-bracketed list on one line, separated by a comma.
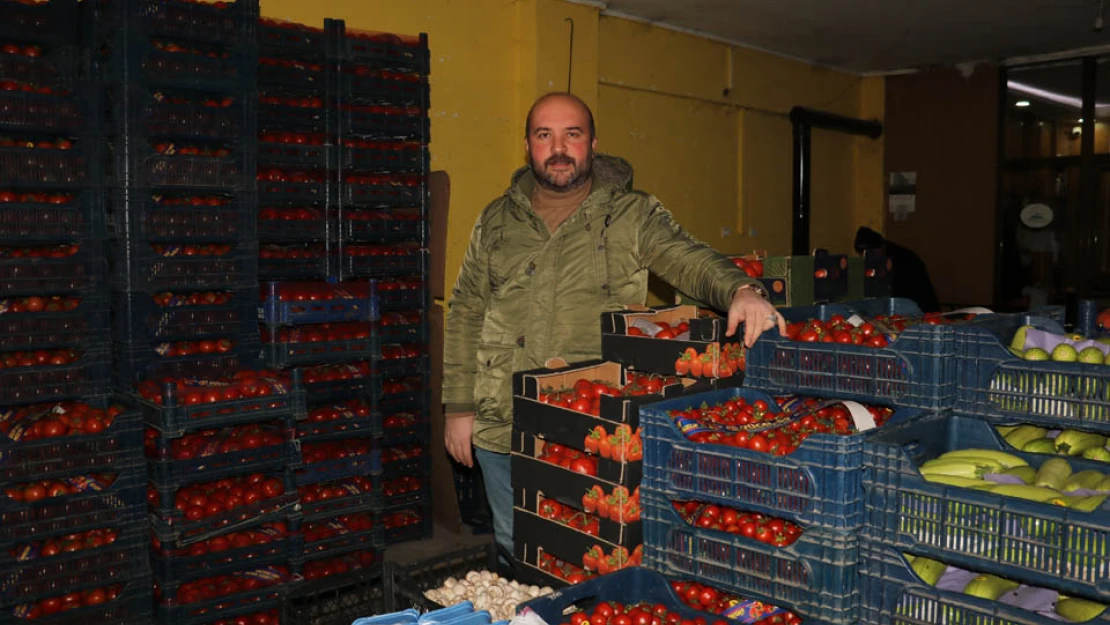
[(995, 384), (345, 305), (382, 230), (893, 595), (341, 390), (336, 599), (817, 574), (171, 527), (1041, 544), (278, 111), (164, 470), (355, 500), (120, 504), (138, 318), (127, 56), (173, 418), (917, 370), (29, 581), (54, 66), (140, 267), (629, 586), (80, 272), (133, 606), (382, 126), (382, 266), (23, 111), (173, 115), (293, 230), (420, 466), (88, 376), (391, 299), (174, 564), (345, 543), (309, 431), (222, 24), (402, 367), (411, 498), (818, 485), (280, 354), (385, 50), (224, 607), (421, 527), (53, 218), (77, 323), (196, 173), (118, 445)]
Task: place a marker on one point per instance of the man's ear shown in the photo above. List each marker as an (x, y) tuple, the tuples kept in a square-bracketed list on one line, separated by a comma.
[(593, 143)]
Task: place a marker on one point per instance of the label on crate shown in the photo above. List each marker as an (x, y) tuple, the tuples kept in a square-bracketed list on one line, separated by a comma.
[(16, 425), (860, 415), (267, 575), (750, 611)]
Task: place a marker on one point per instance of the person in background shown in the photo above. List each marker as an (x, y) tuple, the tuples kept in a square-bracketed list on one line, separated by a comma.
[(568, 240), (909, 277)]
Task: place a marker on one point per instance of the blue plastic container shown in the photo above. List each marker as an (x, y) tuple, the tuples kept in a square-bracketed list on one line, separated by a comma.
[(818, 485), (917, 370), (817, 574), (995, 384), (342, 307), (1037, 543), (893, 594), (173, 419)]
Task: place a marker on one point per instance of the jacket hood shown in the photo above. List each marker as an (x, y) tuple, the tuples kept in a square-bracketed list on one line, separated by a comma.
[(611, 175)]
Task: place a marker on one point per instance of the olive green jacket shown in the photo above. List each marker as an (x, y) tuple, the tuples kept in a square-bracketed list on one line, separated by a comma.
[(525, 295)]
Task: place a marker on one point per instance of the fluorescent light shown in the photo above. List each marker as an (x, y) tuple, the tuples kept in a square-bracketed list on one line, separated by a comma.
[(1021, 103), (1080, 120), (1052, 96)]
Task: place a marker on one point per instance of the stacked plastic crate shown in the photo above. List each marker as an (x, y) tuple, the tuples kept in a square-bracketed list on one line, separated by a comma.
[(177, 83), (315, 325), (73, 527), (382, 233)]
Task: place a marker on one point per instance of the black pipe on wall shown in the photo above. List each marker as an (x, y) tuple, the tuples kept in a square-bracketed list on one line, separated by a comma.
[(804, 121)]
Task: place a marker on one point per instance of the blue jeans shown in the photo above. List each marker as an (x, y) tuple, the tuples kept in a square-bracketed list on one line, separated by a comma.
[(499, 491)]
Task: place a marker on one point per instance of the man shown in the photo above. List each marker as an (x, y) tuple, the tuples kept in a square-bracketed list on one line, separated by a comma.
[(567, 241), (909, 278)]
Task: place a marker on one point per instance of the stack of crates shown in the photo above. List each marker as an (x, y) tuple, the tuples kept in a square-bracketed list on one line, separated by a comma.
[(382, 93), (177, 85), (73, 526)]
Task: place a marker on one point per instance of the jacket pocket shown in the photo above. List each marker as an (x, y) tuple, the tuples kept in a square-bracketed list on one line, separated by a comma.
[(493, 382)]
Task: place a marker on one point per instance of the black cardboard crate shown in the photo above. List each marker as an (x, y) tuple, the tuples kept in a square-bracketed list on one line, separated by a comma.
[(405, 584), (531, 531), (186, 218), (25, 111), (137, 317), (527, 444), (49, 217), (830, 276), (118, 445), (527, 498), (566, 485), (118, 505), (335, 600), (132, 364), (82, 271), (63, 321), (27, 581), (133, 606), (666, 356), (88, 376), (416, 519), (143, 268), (47, 168)]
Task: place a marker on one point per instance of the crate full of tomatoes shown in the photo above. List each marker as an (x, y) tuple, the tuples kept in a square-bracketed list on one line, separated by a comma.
[(680, 340), (797, 458), (755, 555), (870, 350), (636, 596)]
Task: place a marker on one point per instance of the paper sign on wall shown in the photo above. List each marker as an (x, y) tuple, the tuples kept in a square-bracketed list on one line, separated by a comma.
[(902, 194)]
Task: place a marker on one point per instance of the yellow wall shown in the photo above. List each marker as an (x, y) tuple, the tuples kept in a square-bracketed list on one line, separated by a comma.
[(715, 160)]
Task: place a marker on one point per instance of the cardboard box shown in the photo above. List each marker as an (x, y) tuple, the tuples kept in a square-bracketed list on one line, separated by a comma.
[(830, 276), (529, 492), (644, 353), (528, 566), (570, 427), (528, 447), (532, 532)]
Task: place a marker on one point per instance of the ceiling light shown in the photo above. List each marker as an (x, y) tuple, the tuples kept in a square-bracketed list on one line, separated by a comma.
[(1080, 120), (1021, 103)]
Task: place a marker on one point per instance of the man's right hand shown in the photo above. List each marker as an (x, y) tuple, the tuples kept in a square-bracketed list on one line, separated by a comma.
[(457, 430)]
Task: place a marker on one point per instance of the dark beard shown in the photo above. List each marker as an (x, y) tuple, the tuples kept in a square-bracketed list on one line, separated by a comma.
[(580, 175)]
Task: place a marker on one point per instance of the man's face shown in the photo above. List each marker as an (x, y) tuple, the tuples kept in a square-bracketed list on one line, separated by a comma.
[(559, 144)]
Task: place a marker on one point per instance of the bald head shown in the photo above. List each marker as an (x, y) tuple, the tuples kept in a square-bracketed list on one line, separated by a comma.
[(562, 97)]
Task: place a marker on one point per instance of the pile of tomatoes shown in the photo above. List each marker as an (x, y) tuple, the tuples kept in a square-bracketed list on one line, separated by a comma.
[(307, 102), (320, 492), (335, 418), (212, 442), (197, 502), (322, 292), (288, 213), (300, 176), (338, 526), (404, 518), (567, 515), (752, 267), (568, 458), (709, 599), (719, 360), (67, 602), (403, 420), (401, 249), (60, 250), (38, 490), (620, 506), (69, 543), (169, 299), (244, 384), (623, 445), (295, 251), (294, 138), (218, 586), (335, 373), (230, 543), (585, 395), (36, 303), (175, 251), (397, 352), (194, 348), (66, 418), (765, 529), (618, 558), (402, 485), (356, 450), (561, 569), (322, 332)]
